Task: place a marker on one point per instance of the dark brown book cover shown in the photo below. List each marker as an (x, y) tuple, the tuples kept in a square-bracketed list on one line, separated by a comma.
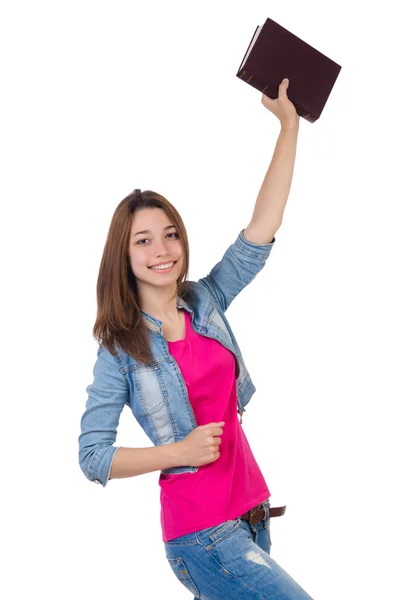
[(275, 53)]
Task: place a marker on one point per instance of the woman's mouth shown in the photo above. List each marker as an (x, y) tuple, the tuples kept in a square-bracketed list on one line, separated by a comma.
[(162, 269)]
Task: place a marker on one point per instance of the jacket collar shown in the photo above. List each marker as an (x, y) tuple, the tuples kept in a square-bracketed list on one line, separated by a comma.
[(156, 325)]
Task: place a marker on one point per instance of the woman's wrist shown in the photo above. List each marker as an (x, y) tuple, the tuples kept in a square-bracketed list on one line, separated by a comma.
[(290, 125)]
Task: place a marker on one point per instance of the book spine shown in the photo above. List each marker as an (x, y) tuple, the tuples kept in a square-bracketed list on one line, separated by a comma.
[(302, 110)]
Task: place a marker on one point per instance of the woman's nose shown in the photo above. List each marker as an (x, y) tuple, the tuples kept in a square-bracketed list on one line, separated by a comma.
[(161, 247)]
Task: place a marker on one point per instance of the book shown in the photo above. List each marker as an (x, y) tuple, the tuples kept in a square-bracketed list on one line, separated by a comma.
[(274, 53)]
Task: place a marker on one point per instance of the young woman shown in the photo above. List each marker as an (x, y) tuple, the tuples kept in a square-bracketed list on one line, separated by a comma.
[(167, 351)]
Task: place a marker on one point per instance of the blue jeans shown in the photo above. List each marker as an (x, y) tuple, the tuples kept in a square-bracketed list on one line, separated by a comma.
[(231, 561)]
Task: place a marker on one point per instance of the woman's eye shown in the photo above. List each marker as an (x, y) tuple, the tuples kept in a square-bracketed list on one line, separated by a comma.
[(144, 239)]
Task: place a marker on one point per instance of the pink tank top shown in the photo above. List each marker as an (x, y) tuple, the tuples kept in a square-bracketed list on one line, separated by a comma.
[(232, 484)]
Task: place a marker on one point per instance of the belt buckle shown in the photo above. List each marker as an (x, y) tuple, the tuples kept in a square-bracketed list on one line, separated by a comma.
[(256, 515)]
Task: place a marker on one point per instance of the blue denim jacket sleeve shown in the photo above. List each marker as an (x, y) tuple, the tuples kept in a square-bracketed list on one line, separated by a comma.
[(106, 398), (240, 264)]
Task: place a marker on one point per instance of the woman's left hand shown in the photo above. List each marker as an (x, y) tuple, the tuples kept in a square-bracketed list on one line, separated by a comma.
[(282, 107)]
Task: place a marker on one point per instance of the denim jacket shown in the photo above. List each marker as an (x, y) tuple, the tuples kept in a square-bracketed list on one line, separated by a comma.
[(156, 393)]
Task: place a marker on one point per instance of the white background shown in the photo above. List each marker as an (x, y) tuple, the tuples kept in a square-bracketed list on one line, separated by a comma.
[(99, 98)]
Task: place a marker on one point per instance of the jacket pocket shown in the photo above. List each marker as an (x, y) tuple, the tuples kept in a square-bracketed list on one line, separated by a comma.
[(147, 381), (178, 566)]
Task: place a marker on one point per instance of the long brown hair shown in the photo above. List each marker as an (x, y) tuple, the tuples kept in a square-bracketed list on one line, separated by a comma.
[(119, 319)]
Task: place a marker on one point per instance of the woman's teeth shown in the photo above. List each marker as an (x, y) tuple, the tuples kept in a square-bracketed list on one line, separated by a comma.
[(163, 267)]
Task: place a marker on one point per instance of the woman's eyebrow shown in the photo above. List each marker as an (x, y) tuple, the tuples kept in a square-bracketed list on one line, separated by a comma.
[(148, 230)]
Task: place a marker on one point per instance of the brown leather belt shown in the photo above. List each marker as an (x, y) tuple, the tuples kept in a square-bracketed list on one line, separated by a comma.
[(257, 513)]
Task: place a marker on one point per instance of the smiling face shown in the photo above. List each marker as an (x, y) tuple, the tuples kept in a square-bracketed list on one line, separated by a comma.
[(159, 243)]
